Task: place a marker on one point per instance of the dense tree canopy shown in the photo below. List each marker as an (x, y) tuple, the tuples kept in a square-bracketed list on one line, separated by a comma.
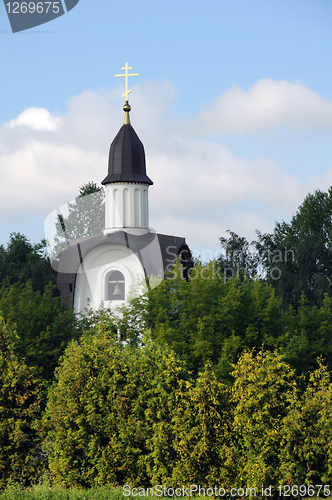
[(21, 261), (263, 393), (20, 411), (306, 451), (295, 259), (105, 408), (122, 415), (211, 318), (43, 325), (212, 380), (302, 250)]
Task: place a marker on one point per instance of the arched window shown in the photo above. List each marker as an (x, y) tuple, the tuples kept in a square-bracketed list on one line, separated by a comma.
[(115, 286)]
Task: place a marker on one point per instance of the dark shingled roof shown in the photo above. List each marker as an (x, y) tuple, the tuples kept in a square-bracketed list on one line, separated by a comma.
[(127, 158)]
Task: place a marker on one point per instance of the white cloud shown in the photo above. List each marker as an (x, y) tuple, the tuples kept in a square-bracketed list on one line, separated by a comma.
[(36, 119), (266, 105), (203, 190), (38, 175), (200, 189)]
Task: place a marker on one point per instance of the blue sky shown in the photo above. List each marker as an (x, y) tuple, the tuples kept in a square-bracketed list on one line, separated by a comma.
[(233, 103)]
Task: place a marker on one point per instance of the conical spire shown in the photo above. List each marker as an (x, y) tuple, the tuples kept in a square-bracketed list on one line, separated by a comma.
[(127, 157)]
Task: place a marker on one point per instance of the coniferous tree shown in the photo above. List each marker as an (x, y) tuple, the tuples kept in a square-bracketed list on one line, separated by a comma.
[(21, 394), (306, 450), (103, 411), (264, 391)]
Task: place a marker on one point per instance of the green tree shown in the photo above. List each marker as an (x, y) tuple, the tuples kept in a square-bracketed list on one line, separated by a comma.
[(207, 318), (203, 423), (214, 319), (297, 257), (86, 217), (103, 409), (240, 259), (264, 391), (20, 410), (21, 261), (307, 334), (306, 449), (44, 327)]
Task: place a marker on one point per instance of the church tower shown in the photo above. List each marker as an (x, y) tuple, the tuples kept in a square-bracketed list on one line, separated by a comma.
[(128, 256), (126, 185)]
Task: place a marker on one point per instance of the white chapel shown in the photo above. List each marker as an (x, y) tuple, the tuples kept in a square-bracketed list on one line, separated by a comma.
[(128, 256)]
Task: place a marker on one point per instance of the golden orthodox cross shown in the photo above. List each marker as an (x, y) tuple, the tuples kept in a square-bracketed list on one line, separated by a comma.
[(127, 92)]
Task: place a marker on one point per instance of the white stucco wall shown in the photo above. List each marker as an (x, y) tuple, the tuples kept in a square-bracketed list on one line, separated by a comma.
[(91, 276)]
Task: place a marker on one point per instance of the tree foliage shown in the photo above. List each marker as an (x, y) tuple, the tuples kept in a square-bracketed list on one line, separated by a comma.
[(86, 217), (263, 392), (103, 409), (20, 410), (295, 259), (21, 261), (214, 319), (306, 451), (121, 415), (211, 381), (44, 327), (210, 319), (203, 425), (302, 251), (307, 335), (240, 258)]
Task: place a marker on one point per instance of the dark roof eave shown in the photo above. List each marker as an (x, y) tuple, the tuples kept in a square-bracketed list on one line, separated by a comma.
[(137, 179)]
